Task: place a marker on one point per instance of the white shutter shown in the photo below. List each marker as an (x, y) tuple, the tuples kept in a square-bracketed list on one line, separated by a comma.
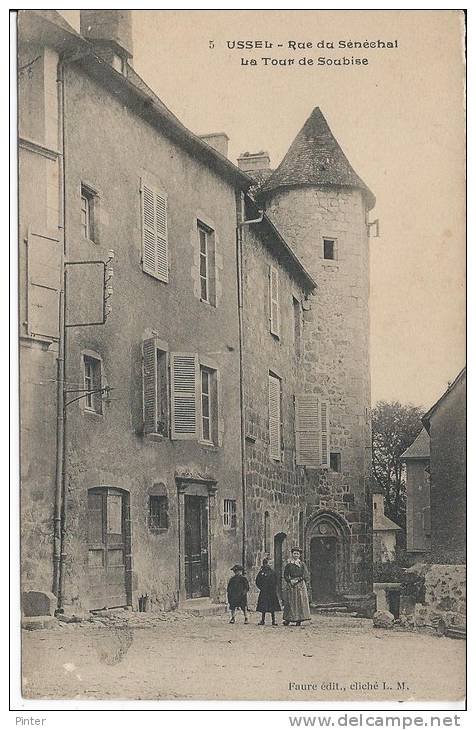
[(184, 381), (274, 397), (155, 255), (324, 416), (307, 430), (44, 282), (273, 301), (149, 384)]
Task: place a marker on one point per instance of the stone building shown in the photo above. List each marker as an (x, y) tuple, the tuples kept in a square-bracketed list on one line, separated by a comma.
[(221, 410), (445, 423), (151, 502), (276, 301), (385, 532), (320, 206), (418, 519)]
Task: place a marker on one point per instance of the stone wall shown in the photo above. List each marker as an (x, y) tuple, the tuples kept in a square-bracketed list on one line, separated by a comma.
[(445, 596)]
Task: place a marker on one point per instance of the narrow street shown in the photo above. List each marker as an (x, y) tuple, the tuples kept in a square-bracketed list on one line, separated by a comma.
[(178, 656)]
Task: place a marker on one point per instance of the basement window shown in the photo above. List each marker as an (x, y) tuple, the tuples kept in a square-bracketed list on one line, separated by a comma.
[(329, 249), (229, 514), (158, 512)]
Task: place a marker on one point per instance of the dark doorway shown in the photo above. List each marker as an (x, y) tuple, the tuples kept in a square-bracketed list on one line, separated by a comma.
[(108, 551), (197, 582), (279, 559), (323, 569)]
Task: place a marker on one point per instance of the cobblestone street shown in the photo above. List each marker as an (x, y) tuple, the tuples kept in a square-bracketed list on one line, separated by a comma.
[(179, 656)]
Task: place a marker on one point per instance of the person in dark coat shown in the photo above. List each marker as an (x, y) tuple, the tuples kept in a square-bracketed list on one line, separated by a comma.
[(268, 601), (237, 591)]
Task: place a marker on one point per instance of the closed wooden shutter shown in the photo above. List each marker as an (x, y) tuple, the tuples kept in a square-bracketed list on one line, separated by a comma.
[(155, 254), (307, 430), (149, 384), (44, 282), (274, 417), (324, 413), (184, 381), (273, 301)]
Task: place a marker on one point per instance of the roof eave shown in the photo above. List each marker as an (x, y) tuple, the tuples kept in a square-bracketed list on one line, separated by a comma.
[(310, 283), (426, 418)]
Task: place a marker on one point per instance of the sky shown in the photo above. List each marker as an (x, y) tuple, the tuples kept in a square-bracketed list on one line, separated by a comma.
[(400, 121)]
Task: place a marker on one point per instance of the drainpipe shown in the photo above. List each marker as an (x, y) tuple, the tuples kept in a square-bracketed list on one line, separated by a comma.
[(239, 270), (60, 502)]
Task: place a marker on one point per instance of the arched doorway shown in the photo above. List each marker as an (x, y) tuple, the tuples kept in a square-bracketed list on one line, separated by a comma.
[(279, 558), (327, 548)]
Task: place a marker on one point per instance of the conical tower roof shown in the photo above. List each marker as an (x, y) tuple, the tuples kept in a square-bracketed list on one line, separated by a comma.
[(315, 158)]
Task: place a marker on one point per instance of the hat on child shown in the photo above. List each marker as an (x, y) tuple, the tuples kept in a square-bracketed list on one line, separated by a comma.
[(296, 549), (236, 568)]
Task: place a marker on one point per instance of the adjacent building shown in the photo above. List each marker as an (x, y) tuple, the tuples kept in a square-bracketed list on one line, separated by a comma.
[(194, 340), (445, 424), (385, 532), (418, 518)]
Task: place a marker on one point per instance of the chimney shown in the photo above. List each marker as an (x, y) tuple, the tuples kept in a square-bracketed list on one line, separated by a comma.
[(217, 140), (110, 31), (254, 162)]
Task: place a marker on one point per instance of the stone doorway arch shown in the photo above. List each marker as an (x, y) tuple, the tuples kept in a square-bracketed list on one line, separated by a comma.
[(328, 556)]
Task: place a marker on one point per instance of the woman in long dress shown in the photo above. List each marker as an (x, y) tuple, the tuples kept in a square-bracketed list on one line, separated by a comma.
[(295, 599)]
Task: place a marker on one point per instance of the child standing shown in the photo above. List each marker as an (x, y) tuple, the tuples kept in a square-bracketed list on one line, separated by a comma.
[(268, 601), (237, 590)]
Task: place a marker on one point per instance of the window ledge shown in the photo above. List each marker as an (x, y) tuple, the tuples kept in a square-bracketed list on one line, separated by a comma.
[(208, 445), (158, 530), (93, 414), (229, 529), (158, 437)]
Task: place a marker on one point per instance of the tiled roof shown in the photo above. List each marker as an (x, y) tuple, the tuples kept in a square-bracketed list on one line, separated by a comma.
[(420, 448), (315, 158), (382, 522)]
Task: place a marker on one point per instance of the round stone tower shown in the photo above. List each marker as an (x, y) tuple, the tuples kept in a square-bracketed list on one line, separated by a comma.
[(321, 206)]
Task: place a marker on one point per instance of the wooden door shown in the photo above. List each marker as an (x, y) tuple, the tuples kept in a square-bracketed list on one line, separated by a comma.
[(323, 569), (197, 582), (107, 548)]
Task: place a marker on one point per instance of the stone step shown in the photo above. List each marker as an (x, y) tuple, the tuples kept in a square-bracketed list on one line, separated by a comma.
[(329, 608), (202, 607)]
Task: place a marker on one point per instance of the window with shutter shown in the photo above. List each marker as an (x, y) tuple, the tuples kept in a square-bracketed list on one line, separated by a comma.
[(273, 301), (307, 430), (324, 412), (184, 395), (274, 417), (155, 255), (154, 387)]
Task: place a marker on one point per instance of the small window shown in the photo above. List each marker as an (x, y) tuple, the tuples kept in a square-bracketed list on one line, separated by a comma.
[(297, 319), (87, 213), (335, 462), (209, 406), (92, 384), (267, 534), (206, 250), (274, 318), (158, 512), (229, 514), (329, 249)]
